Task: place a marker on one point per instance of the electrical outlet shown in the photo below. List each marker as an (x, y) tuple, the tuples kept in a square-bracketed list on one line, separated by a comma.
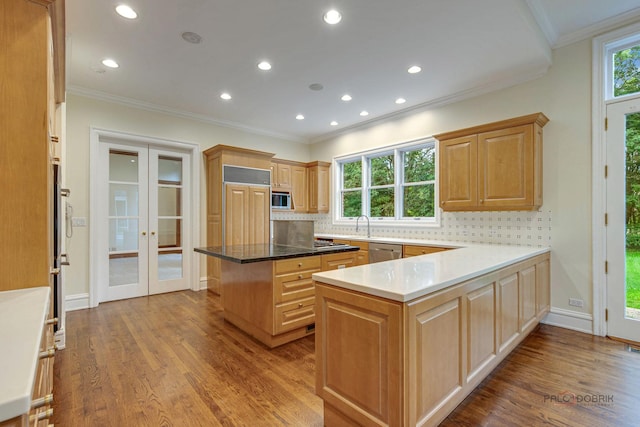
[(79, 221), (576, 302)]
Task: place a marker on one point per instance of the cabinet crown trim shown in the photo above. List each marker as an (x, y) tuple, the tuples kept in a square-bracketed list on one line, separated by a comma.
[(245, 151), (537, 118)]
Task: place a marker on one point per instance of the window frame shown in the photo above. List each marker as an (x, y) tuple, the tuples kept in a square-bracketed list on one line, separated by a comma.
[(397, 150), (609, 50)]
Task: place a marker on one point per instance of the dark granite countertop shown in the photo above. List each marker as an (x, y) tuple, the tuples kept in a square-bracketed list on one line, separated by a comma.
[(243, 254)]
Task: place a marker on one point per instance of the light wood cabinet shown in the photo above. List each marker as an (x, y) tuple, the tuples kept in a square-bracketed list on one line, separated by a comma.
[(386, 363), (338, 260), (299, 188), (319, 187), (215, 158), (246, 208), (497, 166), (415, 250), (362, 256), (32, 70), (280, 175)]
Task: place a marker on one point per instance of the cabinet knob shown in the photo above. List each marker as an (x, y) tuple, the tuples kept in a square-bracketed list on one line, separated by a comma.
[(481, 200), (299, 276), (299, 305), (299, 264)]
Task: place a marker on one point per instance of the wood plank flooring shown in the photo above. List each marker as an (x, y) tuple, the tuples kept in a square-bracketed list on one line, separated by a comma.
[(171, 360)]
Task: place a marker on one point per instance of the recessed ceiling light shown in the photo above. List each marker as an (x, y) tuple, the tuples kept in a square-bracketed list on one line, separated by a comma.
[(364, 113), (299, 117), (126, 11), (110, 63), (264, 66), (225, 96), (316, 86), (414, 69), (332, 17), (191, 37), (334, 123), (400, 101), (346, 97)]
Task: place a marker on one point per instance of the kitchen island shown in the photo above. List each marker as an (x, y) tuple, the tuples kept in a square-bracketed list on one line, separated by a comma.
[(403, 342), (267, 290)]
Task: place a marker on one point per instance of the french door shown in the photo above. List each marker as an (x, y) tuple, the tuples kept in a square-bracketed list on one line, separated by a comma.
[(146, 219), (623, 220)]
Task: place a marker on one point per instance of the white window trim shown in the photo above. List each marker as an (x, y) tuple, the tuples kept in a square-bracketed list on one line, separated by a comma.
[(601, 96), (385, 222)]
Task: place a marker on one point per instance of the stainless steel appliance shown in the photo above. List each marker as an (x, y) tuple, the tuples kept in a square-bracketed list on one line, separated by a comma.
[(280, 200), (298, 233), (384, 252)]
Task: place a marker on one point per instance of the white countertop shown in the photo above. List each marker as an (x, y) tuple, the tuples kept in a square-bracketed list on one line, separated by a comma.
[(409, 278), (22, 316)]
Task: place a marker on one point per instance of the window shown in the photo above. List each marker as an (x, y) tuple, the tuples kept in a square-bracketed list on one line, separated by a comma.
[(623, 67), (395, 183)]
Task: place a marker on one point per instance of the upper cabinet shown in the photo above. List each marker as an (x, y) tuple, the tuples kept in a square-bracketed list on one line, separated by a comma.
[(319, 187), (299, 188), (280, 176), (497, 166)]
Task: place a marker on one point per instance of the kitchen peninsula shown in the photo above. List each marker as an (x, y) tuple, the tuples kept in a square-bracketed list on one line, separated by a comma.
[(403, 342), (267, 289)]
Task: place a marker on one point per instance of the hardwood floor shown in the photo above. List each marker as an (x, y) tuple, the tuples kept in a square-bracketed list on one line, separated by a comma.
[(170, 360)]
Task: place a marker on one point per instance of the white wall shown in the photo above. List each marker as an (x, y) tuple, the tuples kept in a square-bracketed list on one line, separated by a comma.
[(564, 95), (84, 113)]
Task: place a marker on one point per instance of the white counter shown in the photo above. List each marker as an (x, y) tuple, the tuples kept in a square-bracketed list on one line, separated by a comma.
[(409, 278), (22, 316)]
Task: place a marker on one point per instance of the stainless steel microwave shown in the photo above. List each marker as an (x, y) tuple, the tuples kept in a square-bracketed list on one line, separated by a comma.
[(280, 200)]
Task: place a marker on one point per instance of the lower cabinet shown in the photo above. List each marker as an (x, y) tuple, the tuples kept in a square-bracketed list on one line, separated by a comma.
[(415, 250), (362, 256), (385, 363), (274, 301)]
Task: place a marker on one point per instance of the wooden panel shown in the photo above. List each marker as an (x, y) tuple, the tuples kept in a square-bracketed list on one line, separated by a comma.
[(319, 187), (259, 215), (293, 286), (542, 287), (481, 329), (527, 283), (509, 305), (358, 346), (294, 314), (237, 216), (458, 172), (362, 257), (338, 260), (25, 169), (414, 250), (324, 186), (437, 356), (297, 264), (313, 189), (299, 189), (505, 167)]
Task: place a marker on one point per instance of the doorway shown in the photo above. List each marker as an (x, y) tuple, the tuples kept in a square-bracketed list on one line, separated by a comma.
[(623, 219), (142, 201)]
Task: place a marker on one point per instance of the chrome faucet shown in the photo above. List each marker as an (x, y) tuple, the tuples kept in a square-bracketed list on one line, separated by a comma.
[(368, 225)]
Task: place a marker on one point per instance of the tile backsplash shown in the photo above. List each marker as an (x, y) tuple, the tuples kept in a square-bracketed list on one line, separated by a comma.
[(520, 228)]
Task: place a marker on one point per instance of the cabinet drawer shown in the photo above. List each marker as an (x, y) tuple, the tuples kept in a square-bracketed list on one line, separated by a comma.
[(294, 314), (338, 260), (292, 286), (413, 250), (297, 264)]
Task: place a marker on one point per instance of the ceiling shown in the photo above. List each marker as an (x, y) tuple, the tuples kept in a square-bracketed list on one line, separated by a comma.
[(464, 47)]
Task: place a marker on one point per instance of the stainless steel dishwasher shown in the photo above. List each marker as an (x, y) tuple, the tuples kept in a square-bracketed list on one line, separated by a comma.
[(384, 252)]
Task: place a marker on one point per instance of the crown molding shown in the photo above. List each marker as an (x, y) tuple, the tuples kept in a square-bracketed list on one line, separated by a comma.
[(598, 28), (134, 103)]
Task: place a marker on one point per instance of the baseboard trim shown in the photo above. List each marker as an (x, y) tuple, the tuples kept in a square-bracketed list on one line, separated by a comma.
[(203, 283), (76, 302), (569, 319)]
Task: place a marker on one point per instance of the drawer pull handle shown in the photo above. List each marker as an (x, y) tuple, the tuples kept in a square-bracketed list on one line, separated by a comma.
[(53, 321), (299, 264), (39, 403), (50, 352), (41, 416)]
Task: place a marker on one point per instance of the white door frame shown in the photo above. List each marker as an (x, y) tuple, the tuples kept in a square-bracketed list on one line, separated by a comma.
[(97, 136), (598, 162)]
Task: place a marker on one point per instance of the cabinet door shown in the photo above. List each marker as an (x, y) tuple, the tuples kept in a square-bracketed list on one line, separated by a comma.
[(259, 215), (299, 193), (505, 167), (413, 250), (284, 176), (319, 183), (338, 260), (313, 189), (236, 220), (459, 173)]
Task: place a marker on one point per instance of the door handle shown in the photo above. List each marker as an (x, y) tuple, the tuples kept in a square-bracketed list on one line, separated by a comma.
[(144, 233)]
